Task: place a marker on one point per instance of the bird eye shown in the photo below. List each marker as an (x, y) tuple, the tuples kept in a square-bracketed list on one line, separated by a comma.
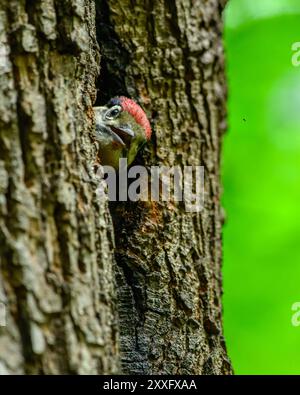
[(113, 112)]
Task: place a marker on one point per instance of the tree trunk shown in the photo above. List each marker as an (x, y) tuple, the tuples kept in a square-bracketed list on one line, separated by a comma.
[(57, 281), (75, 288), (169, 55)]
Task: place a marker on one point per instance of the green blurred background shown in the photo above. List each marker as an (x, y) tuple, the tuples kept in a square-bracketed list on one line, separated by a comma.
[(261, 178)]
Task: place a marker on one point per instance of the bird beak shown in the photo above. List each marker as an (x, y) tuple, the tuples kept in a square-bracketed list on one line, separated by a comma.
[(115, 137), (124, 130), (119, 133), (122, 133)]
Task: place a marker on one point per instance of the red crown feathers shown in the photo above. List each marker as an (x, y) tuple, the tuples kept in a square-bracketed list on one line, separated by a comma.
[(135, 110)]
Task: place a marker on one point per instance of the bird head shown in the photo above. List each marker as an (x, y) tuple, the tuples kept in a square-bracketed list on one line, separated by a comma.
[(122, 128)]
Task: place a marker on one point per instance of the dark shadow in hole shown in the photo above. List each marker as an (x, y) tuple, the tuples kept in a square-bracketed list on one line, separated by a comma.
[(114, 57)]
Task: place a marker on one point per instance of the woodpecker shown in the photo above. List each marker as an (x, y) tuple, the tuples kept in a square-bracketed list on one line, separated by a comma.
[(122, 128)]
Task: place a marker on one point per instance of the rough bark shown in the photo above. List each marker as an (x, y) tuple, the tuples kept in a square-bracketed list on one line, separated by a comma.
[(57, 274), (169, 56), (56, 246)]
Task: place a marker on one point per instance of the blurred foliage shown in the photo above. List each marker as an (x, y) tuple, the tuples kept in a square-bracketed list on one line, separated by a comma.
[(261, 178)]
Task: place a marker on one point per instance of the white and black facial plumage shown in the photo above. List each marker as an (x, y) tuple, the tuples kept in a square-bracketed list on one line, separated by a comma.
[(122, 128)]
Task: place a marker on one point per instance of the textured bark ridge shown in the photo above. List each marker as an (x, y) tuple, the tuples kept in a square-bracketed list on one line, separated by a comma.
[(168, 55), (56, 243)]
